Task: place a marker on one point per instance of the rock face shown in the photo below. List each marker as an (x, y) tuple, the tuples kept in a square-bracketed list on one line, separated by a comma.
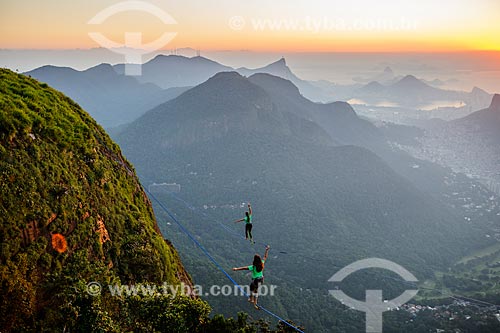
[(485, 122), (495, 103), (72, 211)]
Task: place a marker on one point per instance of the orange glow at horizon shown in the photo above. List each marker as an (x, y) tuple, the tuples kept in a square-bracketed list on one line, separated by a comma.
[(454, 25)]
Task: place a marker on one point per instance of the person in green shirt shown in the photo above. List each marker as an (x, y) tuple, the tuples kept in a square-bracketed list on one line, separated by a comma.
[(257, 269), (248, 224)]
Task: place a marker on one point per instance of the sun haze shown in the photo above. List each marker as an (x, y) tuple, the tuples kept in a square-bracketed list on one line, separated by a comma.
[(309, 26)]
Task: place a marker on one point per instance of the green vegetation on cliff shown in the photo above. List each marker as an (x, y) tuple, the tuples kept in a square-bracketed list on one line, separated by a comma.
[(72, 211), (60, 174)]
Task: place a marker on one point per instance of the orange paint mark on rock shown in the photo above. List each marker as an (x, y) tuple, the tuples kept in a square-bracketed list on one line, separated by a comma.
[(59, 243)]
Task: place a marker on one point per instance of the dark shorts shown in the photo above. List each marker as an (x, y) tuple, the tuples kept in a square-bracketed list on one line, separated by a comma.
[(248, 230), (254, 286)]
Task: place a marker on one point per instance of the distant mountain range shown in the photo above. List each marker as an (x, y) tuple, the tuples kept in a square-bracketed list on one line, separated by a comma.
[(388, 90), (481, 127), (486, 121), (324, 182), (387, 77), (338, 118), (112, 99), (179, 71), (281, 69), (480, 134), (226, 102), (469, 145), (234, 139), (168, 71), (411, 92)]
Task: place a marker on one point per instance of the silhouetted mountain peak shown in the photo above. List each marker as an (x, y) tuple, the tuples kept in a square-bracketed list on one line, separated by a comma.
[(161, 57), (478, 91), (203, 60), (224, 92), (487, 119), (344, 108), (495, 103), (51, 69), (275, 82), (281, 62), (409, 79), (173, 58), (278, 67), (226, 76), (388, 70), (410, 82), (101, 69), (229, 103), (167, 71), (373, 86)]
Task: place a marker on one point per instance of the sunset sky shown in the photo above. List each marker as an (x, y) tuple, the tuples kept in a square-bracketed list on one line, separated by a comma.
[(262, 25)]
